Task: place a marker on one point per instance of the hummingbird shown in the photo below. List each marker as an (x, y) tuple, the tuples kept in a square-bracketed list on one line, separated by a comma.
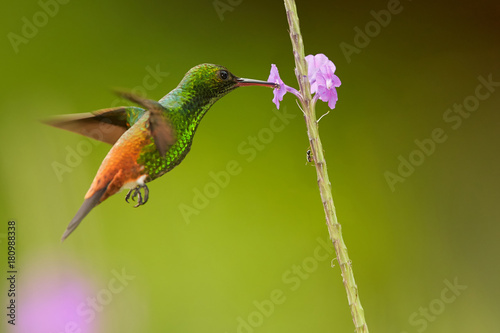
[(150, 140)]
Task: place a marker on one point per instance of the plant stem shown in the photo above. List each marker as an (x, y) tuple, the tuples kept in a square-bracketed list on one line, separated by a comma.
[(334, 228)]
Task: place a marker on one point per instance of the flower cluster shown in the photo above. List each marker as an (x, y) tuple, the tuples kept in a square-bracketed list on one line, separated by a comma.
[(321, 76)]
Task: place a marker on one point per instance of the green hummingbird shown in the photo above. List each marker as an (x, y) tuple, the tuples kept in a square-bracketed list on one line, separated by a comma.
[(149, 141)]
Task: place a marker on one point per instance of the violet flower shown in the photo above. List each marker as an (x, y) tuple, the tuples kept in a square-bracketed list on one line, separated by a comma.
[(314, 64), (326, 82), (321, 76), (279, 92)]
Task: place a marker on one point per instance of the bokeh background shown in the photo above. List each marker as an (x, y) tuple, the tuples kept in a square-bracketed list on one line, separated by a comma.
[(260, 238)]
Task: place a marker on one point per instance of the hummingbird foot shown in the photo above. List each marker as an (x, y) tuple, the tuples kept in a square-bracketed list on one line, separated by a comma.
[(136, 193)]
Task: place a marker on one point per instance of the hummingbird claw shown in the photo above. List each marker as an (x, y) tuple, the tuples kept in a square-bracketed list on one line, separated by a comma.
[(146, 194), (128, 195), (136, 193)]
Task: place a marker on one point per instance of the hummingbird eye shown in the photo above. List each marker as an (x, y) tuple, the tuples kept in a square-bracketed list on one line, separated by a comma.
[(224, 75)]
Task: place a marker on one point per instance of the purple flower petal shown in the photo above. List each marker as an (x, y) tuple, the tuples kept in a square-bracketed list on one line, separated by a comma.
[(326, 82), (279, 92), (315, 64)]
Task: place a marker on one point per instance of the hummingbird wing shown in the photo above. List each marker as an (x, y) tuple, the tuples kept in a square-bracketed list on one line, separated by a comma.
[(106, 125), (161, 128)]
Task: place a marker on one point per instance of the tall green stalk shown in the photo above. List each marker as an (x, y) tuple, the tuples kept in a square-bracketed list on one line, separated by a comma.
[(334, 228)]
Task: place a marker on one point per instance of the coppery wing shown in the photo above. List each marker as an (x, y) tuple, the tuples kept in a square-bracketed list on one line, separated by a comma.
[(161, 128), (106, 125)]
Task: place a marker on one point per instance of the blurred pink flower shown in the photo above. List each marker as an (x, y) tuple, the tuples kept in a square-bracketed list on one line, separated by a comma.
[(49, 303)]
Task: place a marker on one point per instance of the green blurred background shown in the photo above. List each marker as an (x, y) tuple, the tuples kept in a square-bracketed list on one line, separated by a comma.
[(259, 238)]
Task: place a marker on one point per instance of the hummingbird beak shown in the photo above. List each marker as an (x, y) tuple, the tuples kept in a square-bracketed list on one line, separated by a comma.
[(249, 82)]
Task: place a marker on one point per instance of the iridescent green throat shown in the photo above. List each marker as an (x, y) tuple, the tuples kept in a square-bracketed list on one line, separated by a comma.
[(185, 109)]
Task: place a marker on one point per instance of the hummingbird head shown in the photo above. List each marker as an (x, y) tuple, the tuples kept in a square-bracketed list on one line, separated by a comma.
[(214, 81)]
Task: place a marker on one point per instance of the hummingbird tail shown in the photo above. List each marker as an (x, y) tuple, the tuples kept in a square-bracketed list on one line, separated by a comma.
[(86, 207)]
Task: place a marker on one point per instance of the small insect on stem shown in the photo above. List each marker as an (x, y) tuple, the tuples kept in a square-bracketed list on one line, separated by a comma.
[(309, 156)]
